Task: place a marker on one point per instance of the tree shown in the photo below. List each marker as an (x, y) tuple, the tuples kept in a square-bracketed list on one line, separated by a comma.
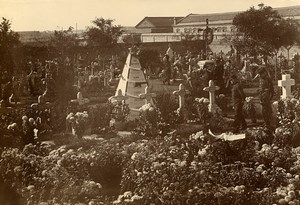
[(290, 34), (263, 31), (133, 39), (64, 41), (104, 35), (8, 39)]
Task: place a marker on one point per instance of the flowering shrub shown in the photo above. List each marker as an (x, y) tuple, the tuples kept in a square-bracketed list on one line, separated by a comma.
[(149, 122), (289, 125), (167, 107), (203, 114), (202, 170), (120, 111), (78, 122), (40, 173), (249, 109)]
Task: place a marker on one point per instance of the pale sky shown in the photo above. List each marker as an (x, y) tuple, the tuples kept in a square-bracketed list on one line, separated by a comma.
[(40, 15)]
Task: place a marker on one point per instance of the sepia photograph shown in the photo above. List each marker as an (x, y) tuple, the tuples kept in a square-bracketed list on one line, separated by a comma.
[(139, 102)]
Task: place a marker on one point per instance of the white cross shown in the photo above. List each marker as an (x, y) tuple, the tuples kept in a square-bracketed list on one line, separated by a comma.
[(286, 83), (181, 93), (211, 89), (147, 95), (81, 100), (119, 97)]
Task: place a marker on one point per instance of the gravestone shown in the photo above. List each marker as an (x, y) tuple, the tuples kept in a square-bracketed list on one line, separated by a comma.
[(212, 103), (180, 93), (132, 83), (286, 83), (80, 100), (148, 96)]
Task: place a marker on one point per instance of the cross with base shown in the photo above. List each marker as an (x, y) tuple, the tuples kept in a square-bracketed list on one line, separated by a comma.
[(181, 93), (211, 89), (147, 95), (286, 83), (118, 98)]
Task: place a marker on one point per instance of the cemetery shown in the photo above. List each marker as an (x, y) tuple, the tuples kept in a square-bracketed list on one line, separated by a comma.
[(135, 126)]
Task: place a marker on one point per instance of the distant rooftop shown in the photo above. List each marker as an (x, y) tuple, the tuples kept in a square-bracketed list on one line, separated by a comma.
[(160, 21), (290, 11)]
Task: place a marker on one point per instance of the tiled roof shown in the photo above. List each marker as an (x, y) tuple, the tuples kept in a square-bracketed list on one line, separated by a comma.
[(283, 11), (211, 17), (160, 21)]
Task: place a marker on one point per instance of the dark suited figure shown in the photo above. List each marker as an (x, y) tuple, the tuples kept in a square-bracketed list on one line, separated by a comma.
[(266, 91), (238, 98)]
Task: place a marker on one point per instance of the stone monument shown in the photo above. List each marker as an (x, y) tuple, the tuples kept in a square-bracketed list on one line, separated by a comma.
[(132, 83)]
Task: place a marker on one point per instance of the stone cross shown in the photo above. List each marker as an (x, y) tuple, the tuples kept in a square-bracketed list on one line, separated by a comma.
[(286, 83), (41, 100), (212, 89), (81, 100), (119, 97), (147, 96), (181, 93), (107, 75)]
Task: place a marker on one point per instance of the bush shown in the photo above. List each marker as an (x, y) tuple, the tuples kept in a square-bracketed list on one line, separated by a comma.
[(202, 170)]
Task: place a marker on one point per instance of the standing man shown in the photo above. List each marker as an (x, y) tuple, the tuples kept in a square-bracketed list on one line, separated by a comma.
[(266, 92), (238, 98)]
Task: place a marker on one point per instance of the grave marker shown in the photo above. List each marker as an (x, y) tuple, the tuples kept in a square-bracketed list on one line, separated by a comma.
[(132, 83), (286, 83), (212, 89), (181, 93)]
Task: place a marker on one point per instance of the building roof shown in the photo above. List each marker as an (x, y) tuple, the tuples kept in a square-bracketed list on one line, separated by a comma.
[(159, 21), (191, 18), (211, 17)]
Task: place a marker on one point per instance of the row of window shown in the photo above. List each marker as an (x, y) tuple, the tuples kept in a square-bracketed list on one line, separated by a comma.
[(199, 30)]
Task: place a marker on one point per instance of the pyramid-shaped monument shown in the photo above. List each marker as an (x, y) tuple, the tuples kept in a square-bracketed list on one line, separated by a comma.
[(133, 83)]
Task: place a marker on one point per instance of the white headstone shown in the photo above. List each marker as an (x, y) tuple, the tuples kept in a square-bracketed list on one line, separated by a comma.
[(212, 89), (286, 83), (181, 93)]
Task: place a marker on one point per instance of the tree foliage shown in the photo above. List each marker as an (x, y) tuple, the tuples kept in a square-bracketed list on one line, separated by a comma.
[(103, 34), (132, 39), (63, 41), (8, 39), (263, 31)]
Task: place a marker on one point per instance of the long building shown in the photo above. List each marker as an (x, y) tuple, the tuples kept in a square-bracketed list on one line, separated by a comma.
[(194, 24)]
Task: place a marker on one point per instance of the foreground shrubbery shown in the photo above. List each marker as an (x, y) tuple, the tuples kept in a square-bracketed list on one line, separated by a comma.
[(157, 166), (200, 171)]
